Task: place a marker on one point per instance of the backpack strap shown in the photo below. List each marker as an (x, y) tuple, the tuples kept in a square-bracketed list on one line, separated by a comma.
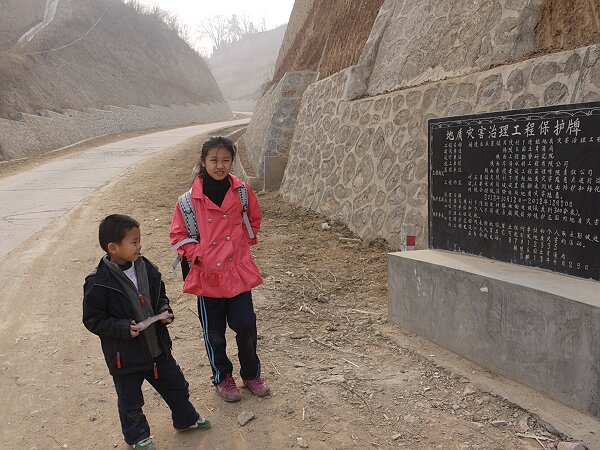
[(189, 217), (189, 214), (243, 193)]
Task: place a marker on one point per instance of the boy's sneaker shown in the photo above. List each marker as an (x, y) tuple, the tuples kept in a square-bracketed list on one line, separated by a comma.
[(258, 386), (201, 424), (228, 390), (145, 444)]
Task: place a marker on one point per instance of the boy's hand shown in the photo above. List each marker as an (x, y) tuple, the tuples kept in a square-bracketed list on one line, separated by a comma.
[(133, 330), (168, 319)]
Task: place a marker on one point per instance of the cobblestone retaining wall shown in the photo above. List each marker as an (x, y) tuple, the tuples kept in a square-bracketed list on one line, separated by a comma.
[(261, 118), (365, 161), (272, 127), (31, 134)]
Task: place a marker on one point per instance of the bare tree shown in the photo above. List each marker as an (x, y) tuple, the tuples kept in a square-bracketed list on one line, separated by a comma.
[(247, 25), (221, 30), (235, 30), (217, 29)]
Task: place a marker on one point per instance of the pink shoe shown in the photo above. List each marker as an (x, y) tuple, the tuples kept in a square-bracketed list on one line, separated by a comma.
[(258, 386), (228, 390)]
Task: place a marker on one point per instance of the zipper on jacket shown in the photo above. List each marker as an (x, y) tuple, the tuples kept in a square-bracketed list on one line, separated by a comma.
[(155, 372)]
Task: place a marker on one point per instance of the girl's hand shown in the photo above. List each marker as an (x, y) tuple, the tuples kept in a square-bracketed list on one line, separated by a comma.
[(168, 319), (133, 330)]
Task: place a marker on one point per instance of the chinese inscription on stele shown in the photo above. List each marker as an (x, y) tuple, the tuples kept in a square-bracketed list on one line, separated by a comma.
[(519, 186)]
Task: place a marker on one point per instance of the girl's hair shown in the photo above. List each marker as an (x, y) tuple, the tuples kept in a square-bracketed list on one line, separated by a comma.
[(209, 144)]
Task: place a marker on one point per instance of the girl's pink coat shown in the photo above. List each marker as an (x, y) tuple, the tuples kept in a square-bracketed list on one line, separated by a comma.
[(221, 265)]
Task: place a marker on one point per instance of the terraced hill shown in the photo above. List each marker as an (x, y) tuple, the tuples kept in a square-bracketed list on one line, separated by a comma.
[(77, 54)]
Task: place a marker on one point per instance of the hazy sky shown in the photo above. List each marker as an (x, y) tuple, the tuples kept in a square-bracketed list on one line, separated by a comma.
[(191, 12)]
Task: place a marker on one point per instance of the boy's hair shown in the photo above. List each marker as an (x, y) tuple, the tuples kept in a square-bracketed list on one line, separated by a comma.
[(114, 228)]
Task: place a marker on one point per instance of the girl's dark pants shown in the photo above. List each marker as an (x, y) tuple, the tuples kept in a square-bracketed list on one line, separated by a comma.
[(238, 312), (172, 387)]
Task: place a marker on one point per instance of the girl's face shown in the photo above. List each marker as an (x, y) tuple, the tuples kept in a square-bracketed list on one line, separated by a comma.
[(217, 162)]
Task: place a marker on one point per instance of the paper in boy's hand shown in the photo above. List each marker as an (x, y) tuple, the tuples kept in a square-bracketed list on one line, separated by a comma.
[(150, 320)]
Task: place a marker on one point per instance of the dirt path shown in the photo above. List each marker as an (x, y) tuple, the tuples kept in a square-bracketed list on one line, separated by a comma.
[(342, 376)]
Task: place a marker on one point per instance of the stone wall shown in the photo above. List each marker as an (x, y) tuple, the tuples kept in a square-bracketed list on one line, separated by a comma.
[(417, 42), (270, 132), (254, 137), (365, 161), (50, 130)]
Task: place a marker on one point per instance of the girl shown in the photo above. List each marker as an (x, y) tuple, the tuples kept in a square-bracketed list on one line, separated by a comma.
[(222, 270)]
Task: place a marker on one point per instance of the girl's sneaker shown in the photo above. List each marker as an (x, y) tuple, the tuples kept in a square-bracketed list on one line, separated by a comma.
[(228, 390), (201, 424), (258, 386), (145, 444)]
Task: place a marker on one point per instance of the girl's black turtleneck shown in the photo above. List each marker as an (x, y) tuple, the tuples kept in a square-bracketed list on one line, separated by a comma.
[(215, 190)]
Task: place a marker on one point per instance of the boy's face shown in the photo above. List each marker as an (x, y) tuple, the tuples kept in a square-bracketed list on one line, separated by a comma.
[(129, 249), (218, 163)]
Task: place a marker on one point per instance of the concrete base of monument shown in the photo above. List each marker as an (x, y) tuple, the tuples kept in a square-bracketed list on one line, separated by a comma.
[(536, 327)]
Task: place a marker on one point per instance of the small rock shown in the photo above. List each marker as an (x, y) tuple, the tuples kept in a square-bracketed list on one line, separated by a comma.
[(524, 424), (325, 226), (455, 407), (570, 446), (289, 410), (334, 379), (498, 423), (301, 443), (477, 425), (299, 364), (396, 436), (245, 417), (468, 391), (322, 298), (464, 380), (410, 419)]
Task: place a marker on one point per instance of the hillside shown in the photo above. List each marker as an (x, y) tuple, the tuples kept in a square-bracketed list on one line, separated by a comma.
[(243, 67), (128, 58), (326, 36)]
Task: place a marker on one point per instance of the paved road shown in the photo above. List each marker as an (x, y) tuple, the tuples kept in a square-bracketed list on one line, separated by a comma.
[(32, 199)]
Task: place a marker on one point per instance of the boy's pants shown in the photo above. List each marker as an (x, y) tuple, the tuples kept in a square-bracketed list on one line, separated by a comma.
[(238, 312), (172, 387)]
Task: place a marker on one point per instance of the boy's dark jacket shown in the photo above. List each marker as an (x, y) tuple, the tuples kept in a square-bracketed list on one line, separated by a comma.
[(107, 312)]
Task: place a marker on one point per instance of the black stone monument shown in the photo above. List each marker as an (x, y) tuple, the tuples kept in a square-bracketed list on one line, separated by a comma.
[(519, 186)]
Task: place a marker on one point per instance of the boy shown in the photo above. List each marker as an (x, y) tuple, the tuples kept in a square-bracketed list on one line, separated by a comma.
[(118, 297)]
